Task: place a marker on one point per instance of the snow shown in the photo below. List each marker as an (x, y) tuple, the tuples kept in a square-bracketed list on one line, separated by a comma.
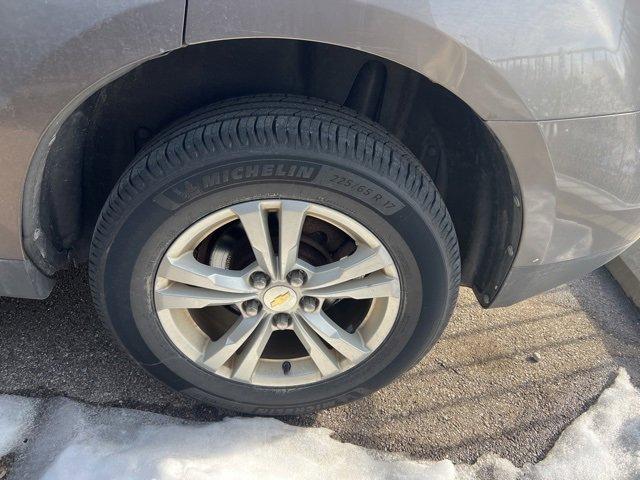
[(602, 443), (72, 440), (17, 415)]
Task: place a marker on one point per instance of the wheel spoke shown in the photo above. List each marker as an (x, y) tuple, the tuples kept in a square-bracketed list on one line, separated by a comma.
[(186, 269), (363, 261), (218, 352), (348, 344), (375, 285), (185, 296), (255, 223), (324, 358), (292, 215), (247, 361)]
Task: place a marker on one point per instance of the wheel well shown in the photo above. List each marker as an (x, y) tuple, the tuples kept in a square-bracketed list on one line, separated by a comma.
[(99, 139)]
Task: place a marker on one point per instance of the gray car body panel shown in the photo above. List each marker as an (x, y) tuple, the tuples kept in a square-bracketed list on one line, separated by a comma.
[(532, 71)]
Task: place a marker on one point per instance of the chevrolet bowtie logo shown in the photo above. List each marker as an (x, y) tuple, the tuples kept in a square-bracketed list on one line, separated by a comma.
[(280, 299)]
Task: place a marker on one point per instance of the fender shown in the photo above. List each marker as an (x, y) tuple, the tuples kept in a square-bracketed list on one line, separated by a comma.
[(506, 60), (404, 32)]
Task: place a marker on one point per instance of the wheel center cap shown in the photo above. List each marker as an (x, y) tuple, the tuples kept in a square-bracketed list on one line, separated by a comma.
[(280, 298)]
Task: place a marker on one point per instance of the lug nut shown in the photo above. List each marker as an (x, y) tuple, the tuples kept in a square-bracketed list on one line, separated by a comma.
[(296, 278), (259, 280), (251, 307), (309, 304), (281, 321)]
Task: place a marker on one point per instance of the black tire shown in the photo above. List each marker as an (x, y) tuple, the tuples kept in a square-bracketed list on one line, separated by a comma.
[(163, 192)]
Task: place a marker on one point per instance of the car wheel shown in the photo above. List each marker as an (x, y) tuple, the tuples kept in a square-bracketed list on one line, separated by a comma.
[(275, 255)]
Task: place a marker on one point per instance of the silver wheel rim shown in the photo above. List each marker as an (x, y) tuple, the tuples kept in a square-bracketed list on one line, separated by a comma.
[(184, 286)]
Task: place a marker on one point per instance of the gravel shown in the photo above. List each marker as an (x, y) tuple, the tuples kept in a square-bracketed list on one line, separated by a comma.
[(505, 380)]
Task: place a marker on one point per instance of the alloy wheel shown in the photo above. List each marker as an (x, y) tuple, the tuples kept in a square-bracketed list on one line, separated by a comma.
[(290, 312)]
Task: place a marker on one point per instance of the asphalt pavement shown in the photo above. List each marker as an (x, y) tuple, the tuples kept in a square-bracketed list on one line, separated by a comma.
[(506, 381)]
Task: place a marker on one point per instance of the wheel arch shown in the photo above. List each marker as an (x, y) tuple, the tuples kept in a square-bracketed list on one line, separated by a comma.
[(62, 148)]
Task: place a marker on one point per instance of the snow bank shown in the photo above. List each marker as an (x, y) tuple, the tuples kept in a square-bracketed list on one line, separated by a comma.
[(17, 415), (100, 444), (603, 443), (82, 442)]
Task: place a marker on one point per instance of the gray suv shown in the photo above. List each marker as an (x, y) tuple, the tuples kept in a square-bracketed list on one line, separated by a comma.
[(279, 200)]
